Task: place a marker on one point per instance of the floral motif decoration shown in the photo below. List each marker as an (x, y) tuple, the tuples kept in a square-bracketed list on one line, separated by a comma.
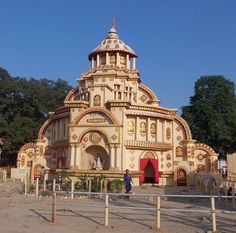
[(95, 138)]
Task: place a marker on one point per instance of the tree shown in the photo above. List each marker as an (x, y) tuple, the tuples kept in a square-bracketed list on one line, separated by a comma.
[(24, 106), (212, 113)]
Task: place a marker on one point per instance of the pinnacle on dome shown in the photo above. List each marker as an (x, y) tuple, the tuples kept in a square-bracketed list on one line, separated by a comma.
[(112, 46)]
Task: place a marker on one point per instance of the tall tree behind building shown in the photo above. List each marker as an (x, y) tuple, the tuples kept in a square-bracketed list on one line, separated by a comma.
[(212, 113), (24, 106)]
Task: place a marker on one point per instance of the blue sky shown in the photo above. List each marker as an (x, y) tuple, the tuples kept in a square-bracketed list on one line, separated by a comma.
[(176, 41)]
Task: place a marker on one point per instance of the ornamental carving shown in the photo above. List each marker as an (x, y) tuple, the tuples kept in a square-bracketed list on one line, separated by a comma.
[(168, 165), (168, 133), (179, 151), (22, 162), (132, 165), (153, 128), (85, 139), (30, 154), (149, 155), (122, 60), (168, 156), (132, 158), (74, 137), (178, 128), (200, 157), (130, 126), (143, 128), (95, 138), (113, 59), (143, 98), (179, 138), (113, 137), (41, 150), (148, 145), (97, 100), (200, 167)]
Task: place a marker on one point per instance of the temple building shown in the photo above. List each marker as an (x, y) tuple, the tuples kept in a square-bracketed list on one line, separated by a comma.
[(111, 122)]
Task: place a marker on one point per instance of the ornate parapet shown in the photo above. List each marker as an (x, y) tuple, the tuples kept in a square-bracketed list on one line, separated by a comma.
[(147, 145)]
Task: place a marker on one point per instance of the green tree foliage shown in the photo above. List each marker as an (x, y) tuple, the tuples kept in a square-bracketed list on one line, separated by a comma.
[(24, 106), (212, 113)]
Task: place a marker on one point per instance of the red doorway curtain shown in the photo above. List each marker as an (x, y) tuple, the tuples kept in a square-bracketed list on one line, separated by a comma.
[(155, 166), (143, 164)]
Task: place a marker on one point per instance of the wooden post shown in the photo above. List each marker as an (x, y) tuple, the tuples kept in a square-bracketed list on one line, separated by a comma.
[(72, 188), (54, 185), (213, 215), (101, 187), (106, 210), (158, 213), (89, 184), (4, 175), (37, 187), (219, 194), (26, 185), (54, 208), (105, 185)]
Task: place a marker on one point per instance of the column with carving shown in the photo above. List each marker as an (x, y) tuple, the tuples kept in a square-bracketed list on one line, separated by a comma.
[(117, 156), (112, 156), (78, 156), (72, 155)]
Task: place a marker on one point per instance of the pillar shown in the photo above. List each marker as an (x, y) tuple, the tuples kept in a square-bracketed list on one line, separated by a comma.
[(92, 62), (127, 62), (112, 156), (98, 62), (117, 59), (134, 63), (78, 157), (72, 155), (117, 156), (107, 59)]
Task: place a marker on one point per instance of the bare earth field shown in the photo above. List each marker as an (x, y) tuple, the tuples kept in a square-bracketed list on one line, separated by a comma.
[(26, 214)]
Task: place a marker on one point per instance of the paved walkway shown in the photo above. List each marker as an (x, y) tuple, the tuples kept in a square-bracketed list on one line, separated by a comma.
[(26, 214)]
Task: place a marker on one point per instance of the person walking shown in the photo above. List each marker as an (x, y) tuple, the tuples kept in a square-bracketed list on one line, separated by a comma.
[(128, 180)]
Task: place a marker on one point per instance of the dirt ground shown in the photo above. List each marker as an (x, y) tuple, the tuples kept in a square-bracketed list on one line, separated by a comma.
[(26, 214)]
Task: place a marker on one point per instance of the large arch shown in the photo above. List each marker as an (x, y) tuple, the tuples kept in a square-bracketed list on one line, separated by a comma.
[(96, 109), (187, 130)]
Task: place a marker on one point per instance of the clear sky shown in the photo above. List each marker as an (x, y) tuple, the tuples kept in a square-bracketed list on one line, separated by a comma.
[(177, 41)]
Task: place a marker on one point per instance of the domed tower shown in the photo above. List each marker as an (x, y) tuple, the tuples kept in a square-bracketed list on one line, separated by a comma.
[(113, 52)]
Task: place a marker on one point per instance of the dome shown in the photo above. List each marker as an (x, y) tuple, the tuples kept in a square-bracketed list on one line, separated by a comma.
[(113, 43)]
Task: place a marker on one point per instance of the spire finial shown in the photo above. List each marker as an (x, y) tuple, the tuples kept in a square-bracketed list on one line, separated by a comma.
[(114, 22)]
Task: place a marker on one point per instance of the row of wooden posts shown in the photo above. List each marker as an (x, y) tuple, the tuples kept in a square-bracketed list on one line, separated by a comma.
[(157, 208), (103, 186)]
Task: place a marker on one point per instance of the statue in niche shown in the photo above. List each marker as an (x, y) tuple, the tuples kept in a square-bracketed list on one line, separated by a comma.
[(179, 151), (153, 128), (113, 59), (97, 100), (98, 163), (143, 127), (122, 60), (131, 126)]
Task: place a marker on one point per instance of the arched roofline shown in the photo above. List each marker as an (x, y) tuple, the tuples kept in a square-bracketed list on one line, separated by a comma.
[(205, 147), (100, 131), (187, 130), (97, 109), (27, 146), (148, 91), (43, 128), (71, 94)]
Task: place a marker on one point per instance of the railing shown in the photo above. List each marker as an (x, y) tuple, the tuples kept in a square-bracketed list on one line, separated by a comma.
[(157, 207)]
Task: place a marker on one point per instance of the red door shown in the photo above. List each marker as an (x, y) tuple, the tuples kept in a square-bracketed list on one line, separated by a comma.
[(154, 164)]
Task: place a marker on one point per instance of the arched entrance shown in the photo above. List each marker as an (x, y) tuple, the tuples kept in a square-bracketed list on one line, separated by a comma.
[(181, 177), (90, 156), (150, 169)]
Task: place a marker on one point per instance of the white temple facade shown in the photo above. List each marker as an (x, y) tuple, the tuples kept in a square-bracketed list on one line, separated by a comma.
[(112, 121)]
